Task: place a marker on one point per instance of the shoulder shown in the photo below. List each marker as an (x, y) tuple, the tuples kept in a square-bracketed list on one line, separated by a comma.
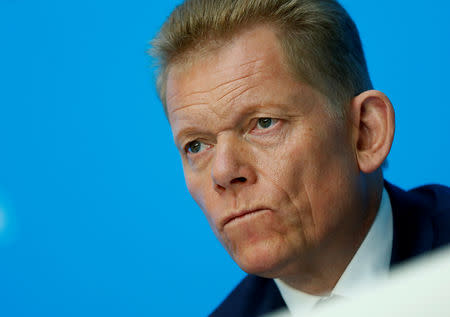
[(428, 200), (437, 198), (421, 220), (253, 296)]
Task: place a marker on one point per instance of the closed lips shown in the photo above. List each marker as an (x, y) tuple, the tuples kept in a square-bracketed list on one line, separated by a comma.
[(242, 214)]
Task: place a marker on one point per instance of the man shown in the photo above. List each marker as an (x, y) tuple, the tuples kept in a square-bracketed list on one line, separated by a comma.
[(282, 140)]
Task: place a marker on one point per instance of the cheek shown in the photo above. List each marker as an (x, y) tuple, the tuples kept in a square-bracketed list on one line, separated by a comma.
[(308, 172), (195, 187), (327, 178), (200, 189), (283, 166), (282, 172)]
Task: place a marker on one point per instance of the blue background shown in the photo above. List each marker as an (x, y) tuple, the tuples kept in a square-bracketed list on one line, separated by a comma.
[(95, 219)]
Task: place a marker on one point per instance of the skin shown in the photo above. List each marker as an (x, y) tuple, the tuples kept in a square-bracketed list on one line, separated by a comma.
[(291, 196)]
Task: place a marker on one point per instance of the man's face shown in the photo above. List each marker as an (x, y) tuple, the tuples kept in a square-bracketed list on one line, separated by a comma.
[(273, 172)]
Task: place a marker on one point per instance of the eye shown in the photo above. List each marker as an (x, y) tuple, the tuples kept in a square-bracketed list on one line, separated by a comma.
[(195, 147), (265, 123)]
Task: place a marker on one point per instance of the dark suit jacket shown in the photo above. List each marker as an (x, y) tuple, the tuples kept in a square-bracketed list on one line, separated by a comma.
[(421, 223)]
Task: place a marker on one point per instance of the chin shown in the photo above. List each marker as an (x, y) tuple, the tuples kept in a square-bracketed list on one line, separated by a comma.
[(263, 258)]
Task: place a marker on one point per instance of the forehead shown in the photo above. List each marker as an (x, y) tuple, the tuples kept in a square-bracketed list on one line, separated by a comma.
[(253, 53)]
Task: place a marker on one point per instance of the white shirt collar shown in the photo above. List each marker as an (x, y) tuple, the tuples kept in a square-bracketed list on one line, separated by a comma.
[(369, 264)]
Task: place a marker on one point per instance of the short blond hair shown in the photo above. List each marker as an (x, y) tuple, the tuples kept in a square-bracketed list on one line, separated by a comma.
[(320, 41)]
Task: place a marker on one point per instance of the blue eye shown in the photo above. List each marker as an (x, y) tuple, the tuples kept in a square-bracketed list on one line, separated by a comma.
[(195, 146), (264, 123)]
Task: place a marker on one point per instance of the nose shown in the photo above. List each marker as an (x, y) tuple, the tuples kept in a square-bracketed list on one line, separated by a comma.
[(232, 165)]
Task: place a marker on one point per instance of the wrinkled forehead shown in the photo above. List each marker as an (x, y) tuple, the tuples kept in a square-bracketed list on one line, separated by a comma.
[(250, 56)]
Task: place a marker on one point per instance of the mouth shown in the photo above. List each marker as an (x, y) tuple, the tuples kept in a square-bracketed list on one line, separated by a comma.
[(242, 214)]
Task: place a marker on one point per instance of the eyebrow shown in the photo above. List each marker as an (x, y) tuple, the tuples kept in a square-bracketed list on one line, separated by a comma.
[(276, 109), (187, 132), (248, 110)]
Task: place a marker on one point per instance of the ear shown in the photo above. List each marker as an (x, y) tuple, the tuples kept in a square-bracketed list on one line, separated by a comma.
[(374, 124)]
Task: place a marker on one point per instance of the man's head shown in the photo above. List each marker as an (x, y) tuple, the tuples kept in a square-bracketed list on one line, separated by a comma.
[(284, 182)]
